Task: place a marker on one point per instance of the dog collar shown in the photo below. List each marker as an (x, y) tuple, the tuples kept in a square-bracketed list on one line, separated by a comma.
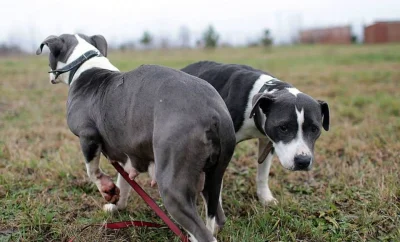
[(265, 86), (257, 114), (73, 66)]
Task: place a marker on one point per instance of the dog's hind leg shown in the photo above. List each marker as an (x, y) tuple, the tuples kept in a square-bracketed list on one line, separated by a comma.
[(181, 204), (211, 195), (264, 193), (125, 190), (91, 148), (178, 189), (220, 217)]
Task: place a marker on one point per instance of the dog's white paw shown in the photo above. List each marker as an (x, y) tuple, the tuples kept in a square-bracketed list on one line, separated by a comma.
[(110, 208), (192, 238), (269, 201), (266, 198)]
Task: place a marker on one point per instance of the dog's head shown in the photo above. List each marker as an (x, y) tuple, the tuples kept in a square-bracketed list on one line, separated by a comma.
[(293, 122), (66, 48)]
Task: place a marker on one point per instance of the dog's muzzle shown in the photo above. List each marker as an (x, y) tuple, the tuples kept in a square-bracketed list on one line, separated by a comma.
[(73, 66)]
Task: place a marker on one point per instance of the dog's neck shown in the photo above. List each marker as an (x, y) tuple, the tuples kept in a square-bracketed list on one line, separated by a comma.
[(95, 62)]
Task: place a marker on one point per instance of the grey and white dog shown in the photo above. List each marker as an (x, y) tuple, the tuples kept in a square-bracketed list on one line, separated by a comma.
[(286, 121), (151, 118)]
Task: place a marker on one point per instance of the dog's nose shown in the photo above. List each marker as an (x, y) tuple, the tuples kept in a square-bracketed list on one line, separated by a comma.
[(302, 162)]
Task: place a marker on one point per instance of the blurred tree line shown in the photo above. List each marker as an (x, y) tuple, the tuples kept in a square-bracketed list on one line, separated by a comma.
[(210, 38)]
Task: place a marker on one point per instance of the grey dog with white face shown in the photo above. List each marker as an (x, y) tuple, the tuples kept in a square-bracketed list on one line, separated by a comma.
[(287, 122), (152, 116)]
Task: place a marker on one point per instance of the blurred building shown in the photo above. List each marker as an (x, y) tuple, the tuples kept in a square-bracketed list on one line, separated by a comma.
[(331, 35), (382, 32)]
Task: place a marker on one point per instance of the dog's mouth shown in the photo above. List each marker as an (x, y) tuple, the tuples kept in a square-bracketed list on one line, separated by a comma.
[(301, 168)]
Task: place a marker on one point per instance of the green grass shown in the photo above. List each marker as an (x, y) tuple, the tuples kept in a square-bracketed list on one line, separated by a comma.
[(45, 194)]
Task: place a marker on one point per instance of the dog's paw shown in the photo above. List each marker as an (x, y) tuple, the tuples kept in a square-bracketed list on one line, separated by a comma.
[(110, 208), (210, 224), (267, 199), (108, 189)]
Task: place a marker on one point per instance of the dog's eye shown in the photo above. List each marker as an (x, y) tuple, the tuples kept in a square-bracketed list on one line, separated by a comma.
[(314, 129), (283, 128)]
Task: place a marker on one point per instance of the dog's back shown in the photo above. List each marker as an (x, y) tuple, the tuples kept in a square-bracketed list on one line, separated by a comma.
[(145, 97), (218, 74), (233, 82)]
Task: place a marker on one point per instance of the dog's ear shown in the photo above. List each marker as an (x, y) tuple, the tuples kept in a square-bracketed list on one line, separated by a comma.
[(100, 43), (260, 101), (325, 114), (54, 43)]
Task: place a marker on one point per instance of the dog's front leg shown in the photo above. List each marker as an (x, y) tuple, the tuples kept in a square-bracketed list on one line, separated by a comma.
[(91, 148), (264, 193), (124, 187)]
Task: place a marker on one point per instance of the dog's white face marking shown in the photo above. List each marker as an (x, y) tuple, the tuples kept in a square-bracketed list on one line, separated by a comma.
[(293, 91), (81, 48), (287, 152), (248, 129), (53, 79)]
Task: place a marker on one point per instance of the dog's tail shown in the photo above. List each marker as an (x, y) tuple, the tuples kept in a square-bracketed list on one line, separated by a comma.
[(221, 136)]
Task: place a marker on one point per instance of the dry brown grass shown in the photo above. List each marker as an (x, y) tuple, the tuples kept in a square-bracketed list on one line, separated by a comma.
[(45, 194)]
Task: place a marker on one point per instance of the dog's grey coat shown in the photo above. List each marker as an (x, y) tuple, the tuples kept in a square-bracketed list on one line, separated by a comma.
[(127, 108), (158, 114)]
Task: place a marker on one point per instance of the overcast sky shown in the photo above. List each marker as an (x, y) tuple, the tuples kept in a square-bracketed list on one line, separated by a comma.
[(30, 21)]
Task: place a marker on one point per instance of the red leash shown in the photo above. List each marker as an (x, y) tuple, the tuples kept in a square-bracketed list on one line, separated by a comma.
[(153, 205)]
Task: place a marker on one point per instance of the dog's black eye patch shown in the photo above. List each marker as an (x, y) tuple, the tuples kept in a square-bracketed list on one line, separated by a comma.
[(284, 131), (284, 128), (311, 131), (314, 128)]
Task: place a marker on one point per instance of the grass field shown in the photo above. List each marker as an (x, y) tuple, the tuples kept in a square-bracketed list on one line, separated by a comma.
[(45, 194)]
